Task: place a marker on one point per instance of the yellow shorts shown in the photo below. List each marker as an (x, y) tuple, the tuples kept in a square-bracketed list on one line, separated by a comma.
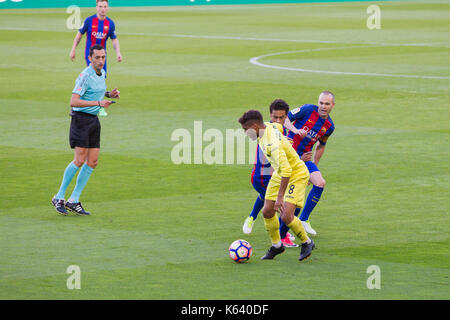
[(295, 191)]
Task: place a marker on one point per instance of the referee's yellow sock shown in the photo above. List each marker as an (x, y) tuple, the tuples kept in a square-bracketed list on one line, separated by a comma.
[(297, 227), (273, 228)]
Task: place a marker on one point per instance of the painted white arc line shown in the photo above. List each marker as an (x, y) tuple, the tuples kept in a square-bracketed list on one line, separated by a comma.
[(255, 61), (218, 37)]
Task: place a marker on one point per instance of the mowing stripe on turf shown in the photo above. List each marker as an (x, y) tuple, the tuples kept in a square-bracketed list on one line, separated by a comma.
[(219, 37), (255, 61)]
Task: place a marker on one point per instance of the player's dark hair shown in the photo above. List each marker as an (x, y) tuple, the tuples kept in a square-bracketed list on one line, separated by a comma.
[(101, 1), (251, 115), (95, 47), (328, 93), (279, 104)]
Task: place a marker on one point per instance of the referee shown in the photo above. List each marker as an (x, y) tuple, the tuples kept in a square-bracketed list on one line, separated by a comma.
[(87, 98)]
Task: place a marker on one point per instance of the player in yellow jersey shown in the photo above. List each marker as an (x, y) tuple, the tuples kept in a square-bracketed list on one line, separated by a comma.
[(286, 189)]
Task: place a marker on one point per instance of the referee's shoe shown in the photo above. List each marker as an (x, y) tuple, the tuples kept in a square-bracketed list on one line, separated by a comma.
[(59, 206), (77, 208)]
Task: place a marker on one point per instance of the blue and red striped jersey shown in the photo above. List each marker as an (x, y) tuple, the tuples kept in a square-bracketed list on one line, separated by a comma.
[(97, 32), (307, 118)]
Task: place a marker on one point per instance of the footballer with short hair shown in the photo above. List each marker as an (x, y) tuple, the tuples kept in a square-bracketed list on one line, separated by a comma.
[(84, 135), (98, 28), (262, 172), (308, 125), (287, 186)]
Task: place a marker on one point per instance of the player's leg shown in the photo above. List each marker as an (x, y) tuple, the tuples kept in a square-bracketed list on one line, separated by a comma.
[(257, 206), (271, 222), (293, 222), (70, 171), (296, 226), (286, 237), (250, 220), (77, 137), (272, 226), (80, 156), (58, 200), (314, 195), (73, 203), (92, 157), (260, 185), (294, 197), (85, 174), (93, 152)]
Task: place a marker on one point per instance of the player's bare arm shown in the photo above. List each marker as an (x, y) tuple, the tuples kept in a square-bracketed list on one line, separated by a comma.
[(76, 41), (116, 46), (320, 149), (75, 101), (288, 125)]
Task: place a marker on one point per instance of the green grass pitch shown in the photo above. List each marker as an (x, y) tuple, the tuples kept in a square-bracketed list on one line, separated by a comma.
[(160, 230)]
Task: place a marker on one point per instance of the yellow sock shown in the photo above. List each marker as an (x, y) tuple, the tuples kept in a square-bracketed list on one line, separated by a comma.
[(297, 227), (273, 228)]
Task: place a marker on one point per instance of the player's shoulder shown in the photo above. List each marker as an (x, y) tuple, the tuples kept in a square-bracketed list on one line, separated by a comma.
[(275, 125), (310, 107), (276, 130), (90, 18), (111, 21), (85, 73), (304, 108), (88, 70), (331, 122)]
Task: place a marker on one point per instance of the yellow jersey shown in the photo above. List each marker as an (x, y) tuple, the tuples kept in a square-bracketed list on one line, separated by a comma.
[(280, 153)]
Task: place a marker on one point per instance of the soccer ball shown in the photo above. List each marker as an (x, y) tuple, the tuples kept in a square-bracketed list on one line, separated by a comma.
[(240, 251)]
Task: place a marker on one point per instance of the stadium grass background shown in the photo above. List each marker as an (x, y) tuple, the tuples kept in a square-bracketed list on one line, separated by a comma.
[(161, 231)]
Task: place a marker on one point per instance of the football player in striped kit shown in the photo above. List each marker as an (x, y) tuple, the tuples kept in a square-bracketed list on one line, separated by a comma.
[(309, 124), (98, 28)]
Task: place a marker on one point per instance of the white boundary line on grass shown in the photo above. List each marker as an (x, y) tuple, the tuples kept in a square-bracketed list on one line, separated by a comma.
[(218, 37), (255, 61)]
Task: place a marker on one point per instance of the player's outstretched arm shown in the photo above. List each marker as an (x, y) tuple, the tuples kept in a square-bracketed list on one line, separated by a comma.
[(76, 41), (288, 125)]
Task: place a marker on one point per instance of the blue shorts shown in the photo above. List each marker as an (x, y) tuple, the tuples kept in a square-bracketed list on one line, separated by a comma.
[(311, 166), (260, 184)]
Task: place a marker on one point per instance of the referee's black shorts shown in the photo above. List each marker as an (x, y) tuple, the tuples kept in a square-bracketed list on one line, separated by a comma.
[(84, 130)]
